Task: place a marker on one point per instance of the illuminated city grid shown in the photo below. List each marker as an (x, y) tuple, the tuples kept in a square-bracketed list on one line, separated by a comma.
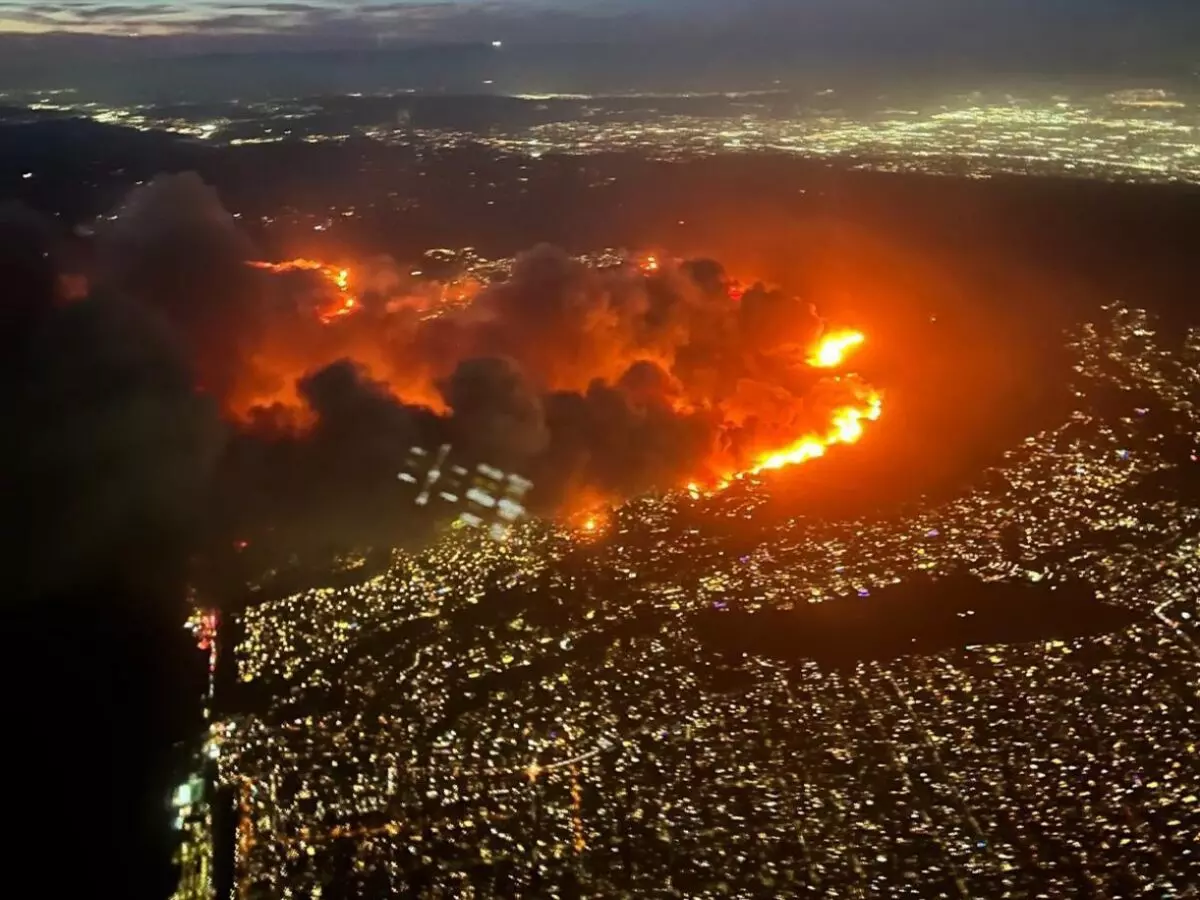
[(1127, 135), (499, 718)]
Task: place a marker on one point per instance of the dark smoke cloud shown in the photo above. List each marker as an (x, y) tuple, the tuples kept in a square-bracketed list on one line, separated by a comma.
[(110, 448), (596, 383), (174, 248), (647, 384), (105, 468), (496, 410), (27, 258), (771, 321), (330, 486), (604, 444)]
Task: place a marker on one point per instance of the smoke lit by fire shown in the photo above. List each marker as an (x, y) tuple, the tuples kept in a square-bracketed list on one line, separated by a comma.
[(345, 302), (845, 424), (594, 382), (603, 339)]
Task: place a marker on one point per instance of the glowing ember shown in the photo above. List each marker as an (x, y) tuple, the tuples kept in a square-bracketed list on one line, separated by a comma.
[(592, 522), (833, 348)]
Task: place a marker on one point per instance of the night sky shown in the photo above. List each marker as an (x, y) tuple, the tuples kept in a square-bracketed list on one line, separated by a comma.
[(400, 19), (1140, 26)]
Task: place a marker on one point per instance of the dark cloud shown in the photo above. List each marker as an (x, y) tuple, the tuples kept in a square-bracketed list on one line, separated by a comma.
[(105, 471), (230, 22), (286, 8), (826, 29), (333, 484), (122, 12), (110, 447), (606, 445), (27, 250)]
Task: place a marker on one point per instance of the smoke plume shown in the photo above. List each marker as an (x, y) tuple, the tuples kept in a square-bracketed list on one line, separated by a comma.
[(111, 449), (592, 382)]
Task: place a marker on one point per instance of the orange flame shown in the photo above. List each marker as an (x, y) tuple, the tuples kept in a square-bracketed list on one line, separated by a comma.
[(338, 278), (593, 522), (832, 349), (846, 424), (846, 427)]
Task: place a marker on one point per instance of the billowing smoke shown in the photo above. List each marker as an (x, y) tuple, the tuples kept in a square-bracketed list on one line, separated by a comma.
[(110, 449), (496, 410), (173, 248), (596, 383)]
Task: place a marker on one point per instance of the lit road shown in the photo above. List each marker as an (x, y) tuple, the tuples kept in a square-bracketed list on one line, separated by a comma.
[(1183, 636)]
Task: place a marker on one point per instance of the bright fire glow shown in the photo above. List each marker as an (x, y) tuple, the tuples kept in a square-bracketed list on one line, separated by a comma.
[(337, 277), (591, 521), (845, 428), (832, 349), (845, 424)]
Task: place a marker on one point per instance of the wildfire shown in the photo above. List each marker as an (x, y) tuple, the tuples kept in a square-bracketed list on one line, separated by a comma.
[(590, 522), (846, 424), (337, 277), (293, 265), (832, 349), (846, 427)]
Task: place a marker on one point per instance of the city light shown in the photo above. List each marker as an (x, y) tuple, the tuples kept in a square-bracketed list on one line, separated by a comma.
[(537, 698), (1127, 135)]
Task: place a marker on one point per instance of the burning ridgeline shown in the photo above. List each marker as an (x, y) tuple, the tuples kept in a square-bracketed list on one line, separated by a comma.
[(486, 497)]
